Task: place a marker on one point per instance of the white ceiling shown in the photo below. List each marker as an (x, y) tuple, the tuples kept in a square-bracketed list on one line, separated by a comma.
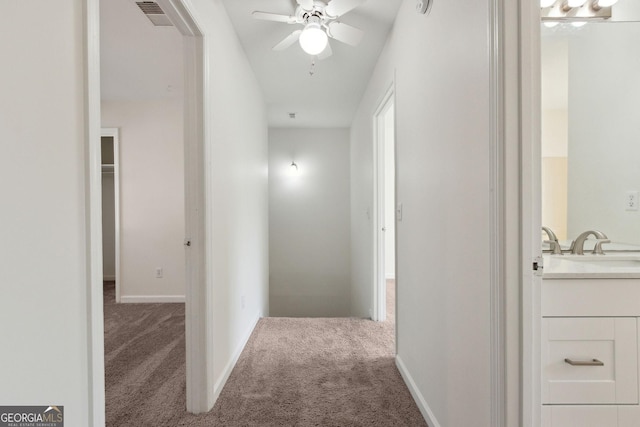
[(330, 97), (141, 61)]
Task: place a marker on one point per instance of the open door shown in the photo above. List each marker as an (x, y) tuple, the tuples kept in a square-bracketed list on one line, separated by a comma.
[(384, 203)]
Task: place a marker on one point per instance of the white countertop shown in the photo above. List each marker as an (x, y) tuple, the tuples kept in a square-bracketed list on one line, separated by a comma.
[(622, 265), (590, 243)]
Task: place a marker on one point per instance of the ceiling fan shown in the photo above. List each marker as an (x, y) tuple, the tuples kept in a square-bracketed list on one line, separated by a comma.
[(320, 20)]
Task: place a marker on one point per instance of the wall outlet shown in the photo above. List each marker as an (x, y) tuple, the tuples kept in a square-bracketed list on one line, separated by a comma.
[(159, 273), (631, 201)]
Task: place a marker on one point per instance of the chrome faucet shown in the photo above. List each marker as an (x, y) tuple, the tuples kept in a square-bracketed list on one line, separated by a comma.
[(554, 245), (577, 247)]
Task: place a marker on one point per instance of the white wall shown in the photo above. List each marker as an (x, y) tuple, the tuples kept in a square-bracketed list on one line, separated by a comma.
[(44, 251), (441, 66), (151, 195), (309, 222), (237, 183), (43, 229), (604, 94)]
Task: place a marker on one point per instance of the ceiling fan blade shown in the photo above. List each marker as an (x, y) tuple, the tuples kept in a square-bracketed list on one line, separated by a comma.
[(266, 16), (288, 41), (345, 33), (327, 52), (306, 4), (337, 8)]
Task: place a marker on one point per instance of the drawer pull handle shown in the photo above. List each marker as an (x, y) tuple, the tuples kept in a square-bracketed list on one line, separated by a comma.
[(592, 362)]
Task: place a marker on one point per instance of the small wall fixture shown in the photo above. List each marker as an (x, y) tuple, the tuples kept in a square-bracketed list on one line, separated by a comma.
[(293, 168), (424, 6)]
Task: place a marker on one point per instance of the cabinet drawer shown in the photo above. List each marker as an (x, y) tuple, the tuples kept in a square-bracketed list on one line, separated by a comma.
[(607, 346), (580, 416), (590, 416)]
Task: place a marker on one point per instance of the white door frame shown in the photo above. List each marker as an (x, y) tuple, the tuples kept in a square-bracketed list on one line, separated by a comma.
[(114, 133), (530, 199), (380, 283), (199, 345)]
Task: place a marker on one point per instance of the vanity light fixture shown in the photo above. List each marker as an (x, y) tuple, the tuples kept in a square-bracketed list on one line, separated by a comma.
[(576, 12)]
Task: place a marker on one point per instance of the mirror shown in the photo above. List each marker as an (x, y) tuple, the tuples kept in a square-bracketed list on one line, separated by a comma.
[(591, 129)]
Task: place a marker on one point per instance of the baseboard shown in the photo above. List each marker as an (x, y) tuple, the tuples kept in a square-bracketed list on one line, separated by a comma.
[(151, 299), (109, 278), (427, 413), (219, 385)]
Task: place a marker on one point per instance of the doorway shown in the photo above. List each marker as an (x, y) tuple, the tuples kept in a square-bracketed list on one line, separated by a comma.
[(198, 383), (384, 207), (109, 155)]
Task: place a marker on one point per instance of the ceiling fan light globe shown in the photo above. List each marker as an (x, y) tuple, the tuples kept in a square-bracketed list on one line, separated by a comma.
[(313, 39)]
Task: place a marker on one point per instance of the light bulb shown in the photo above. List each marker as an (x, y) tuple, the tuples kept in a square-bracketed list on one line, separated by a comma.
[(606, 3), (313, 39), (576, 3), (547, 3)]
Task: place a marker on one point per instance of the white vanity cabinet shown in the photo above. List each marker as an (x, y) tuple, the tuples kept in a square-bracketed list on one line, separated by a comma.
[(589, 352)]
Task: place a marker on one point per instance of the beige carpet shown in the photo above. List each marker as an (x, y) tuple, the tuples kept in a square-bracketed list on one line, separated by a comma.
[(293, 372)]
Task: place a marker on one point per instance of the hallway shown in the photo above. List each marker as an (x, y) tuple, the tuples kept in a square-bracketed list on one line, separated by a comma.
[(293, 372)]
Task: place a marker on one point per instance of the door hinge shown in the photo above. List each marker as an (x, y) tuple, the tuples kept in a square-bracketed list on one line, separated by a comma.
[(538, 265)]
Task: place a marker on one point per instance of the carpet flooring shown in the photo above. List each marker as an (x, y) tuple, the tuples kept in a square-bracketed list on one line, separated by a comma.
[(292, 372)]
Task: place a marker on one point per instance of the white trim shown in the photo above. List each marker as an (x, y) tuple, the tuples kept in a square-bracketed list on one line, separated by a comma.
[(93, 216), (115, 134), (151, 299), (425, 410), (219, 385), (379, 280), (530, 159), (497, 212)]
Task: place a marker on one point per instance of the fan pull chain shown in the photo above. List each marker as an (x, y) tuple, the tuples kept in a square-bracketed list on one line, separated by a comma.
[(313, 68)]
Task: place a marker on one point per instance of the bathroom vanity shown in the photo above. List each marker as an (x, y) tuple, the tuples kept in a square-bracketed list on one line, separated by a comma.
[(590, 333)]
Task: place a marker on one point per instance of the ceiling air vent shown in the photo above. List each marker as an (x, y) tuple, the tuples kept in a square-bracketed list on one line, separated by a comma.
[(155, 14)]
